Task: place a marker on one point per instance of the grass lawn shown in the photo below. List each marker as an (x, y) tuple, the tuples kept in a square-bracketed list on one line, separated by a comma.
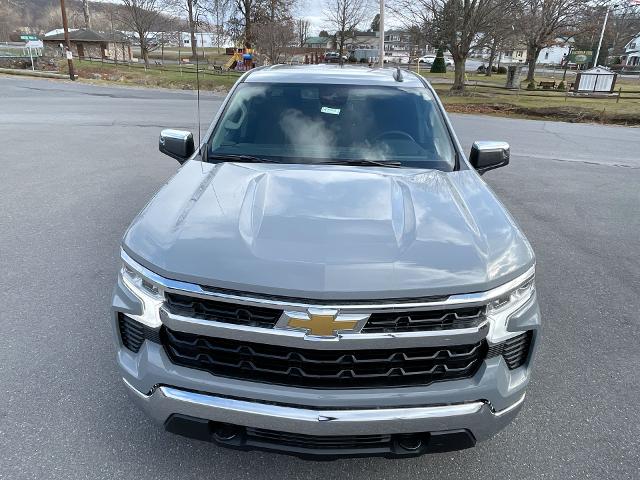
[(483, 95), (167, 76), (173, 53)]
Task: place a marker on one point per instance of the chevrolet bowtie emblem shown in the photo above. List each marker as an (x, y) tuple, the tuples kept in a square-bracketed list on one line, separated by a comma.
[(323, 323)]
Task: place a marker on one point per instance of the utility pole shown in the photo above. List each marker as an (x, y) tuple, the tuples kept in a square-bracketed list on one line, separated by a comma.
[(69, 53), (381, 33)]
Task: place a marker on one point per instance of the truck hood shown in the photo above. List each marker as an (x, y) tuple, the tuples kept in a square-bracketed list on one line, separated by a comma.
[(329, 232)]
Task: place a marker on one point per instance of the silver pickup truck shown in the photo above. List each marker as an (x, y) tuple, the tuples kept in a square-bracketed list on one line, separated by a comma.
[(328, 274)]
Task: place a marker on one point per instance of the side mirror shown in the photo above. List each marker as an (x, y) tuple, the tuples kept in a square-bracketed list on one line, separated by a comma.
[(177, 144), (486, 156)]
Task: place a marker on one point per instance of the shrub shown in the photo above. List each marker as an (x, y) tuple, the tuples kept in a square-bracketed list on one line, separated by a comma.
[(531, 86), (561, 86), (502, 70), (438, 64), (363, 60), (352, 58)]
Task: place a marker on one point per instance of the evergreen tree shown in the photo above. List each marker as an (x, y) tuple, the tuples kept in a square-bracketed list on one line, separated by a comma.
[(438, 65)]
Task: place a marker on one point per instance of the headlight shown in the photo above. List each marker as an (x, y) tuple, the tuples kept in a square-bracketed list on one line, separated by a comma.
[(147, 292), (501, 309), (513, 299)]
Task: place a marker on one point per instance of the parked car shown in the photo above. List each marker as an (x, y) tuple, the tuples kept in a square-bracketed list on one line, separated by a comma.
[(334, 57), (328, 274), (429, 59)]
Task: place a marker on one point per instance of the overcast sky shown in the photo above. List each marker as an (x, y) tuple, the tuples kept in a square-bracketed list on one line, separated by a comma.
[(312, 11)]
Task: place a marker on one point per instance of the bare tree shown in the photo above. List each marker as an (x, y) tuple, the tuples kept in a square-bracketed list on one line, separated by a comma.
[(302, 31), (273, 38), (220, 12), (272, 10), (498, 34), (191, 9), (247, 9), (191, 16), (141, 16), (454, 24), (9, 18), (344, 16), (85, 11), (542, 21)]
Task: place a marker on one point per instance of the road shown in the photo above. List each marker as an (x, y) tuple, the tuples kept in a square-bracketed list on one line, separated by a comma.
[(79, 161)]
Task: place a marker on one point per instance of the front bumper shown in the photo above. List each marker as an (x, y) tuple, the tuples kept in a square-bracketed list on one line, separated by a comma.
[(477, 417), (390, 432)]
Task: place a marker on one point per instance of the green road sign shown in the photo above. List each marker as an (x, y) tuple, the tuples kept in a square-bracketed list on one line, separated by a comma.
[(28, 37), (581, 56)]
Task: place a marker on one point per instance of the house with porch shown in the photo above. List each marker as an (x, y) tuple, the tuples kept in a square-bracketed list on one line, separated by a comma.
[(631, 57)]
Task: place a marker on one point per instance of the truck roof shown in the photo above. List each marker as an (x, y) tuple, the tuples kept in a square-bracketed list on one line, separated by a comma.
[(333, 74)]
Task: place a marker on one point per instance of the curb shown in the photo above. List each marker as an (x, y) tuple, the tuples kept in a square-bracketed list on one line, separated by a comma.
[(32, 73)]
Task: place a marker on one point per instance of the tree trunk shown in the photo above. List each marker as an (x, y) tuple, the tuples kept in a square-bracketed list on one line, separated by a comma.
[(492, 56), (247, 29), (458, 81), (532, 56), (145, 53), (192, 30), (341, 49), (85, 11)]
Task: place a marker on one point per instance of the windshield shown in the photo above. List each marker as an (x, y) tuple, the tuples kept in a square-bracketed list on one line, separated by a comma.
[(308, 123)]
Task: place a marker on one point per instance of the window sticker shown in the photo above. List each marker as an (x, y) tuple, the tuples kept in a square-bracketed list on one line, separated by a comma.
[(331, 111)]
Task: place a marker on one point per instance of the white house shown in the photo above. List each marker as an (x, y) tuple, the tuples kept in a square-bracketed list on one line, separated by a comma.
[(553, 55), (631, 57), (203, 39), (556, 53)]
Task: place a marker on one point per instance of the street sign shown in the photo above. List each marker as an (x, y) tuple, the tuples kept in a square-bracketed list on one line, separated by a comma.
[(28, 37), (34, 44)]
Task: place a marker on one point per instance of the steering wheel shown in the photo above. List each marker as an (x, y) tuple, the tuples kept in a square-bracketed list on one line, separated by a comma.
[(399, 134)]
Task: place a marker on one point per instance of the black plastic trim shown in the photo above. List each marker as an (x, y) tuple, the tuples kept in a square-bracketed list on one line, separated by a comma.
[(319, 447)]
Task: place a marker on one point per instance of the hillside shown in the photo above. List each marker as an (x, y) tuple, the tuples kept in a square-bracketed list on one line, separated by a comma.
[(39, 16)]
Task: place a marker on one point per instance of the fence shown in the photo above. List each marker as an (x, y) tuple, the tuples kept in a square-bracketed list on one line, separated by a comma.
[(18, 50), (204, 68)]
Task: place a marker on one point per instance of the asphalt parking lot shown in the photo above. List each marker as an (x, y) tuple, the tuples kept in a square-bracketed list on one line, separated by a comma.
[(77, 164)]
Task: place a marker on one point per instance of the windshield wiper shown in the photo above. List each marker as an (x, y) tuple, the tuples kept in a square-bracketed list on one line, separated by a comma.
[(230, 157), (365, 162)]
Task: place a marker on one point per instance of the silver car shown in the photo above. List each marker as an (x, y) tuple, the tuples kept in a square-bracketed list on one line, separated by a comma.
[(327, 274)]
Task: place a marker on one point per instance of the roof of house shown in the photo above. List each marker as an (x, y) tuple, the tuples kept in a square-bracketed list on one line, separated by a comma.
[(333, 74), (358, 33), (316, 40), (86, 35)]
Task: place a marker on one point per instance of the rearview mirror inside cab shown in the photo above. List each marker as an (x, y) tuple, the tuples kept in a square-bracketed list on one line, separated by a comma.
[(486, 155), (177, 144)]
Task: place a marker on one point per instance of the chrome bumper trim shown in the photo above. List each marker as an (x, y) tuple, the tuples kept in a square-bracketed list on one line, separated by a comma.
[(478, 417), (461, 300), (342, 341)]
